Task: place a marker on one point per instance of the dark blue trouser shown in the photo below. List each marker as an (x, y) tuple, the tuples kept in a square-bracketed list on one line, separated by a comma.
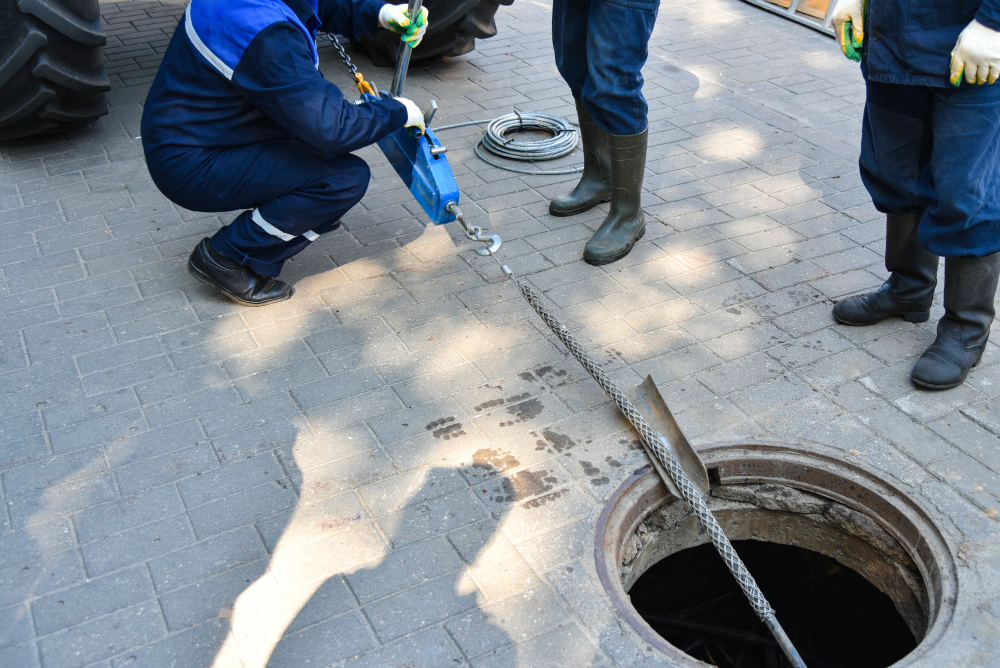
[(293, 195), (601, 46), (936, 151)]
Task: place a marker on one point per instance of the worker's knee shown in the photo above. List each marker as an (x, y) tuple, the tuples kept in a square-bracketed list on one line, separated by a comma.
[(349, 178)]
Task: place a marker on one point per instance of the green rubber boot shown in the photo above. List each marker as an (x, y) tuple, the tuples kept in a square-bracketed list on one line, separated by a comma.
[(626, 223), (595, 184), (970, 286)]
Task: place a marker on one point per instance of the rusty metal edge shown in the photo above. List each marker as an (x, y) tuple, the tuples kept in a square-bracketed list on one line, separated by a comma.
[(936, 628)]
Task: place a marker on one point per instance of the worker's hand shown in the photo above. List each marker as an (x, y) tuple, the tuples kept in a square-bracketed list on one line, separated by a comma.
[(397, 19), (977, 53), (414, 117), (849, 12)]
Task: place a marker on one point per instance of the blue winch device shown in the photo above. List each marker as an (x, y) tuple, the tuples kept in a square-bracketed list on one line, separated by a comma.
[(419, 159), (418, 156)]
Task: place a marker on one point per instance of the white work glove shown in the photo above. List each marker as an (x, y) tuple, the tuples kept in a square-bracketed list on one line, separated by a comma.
[(977, 52), (396, 19), (414, 117), (853, 11)]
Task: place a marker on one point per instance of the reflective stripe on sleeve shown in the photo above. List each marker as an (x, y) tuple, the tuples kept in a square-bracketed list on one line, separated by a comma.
[(213, 59)]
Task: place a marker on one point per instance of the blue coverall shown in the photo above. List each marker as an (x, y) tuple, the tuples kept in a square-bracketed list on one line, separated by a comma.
[(926, 146), (239, 117), (600, 47)]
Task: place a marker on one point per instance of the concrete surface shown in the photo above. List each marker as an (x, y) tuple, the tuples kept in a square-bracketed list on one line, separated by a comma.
[(399, 467)]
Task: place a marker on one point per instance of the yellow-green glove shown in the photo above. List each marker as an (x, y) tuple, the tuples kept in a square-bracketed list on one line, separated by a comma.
[(976, 54), (397, 19), (849, 26)]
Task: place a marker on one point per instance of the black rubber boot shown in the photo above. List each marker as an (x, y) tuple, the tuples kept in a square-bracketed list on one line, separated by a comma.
[(970, 286), (909, 290), (595, 184), (241, 284), (626, 223)]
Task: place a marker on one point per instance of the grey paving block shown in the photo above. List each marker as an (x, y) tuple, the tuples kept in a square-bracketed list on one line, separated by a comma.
[(404, 568), (103, 638), (236, 477), (153, 443), (137, 545), (54, 471), (336, 639), (431, 648), (562, 646), (246, 414), (22, 656), (210, 598), (72, 607), (415, 608), (491, 627), (242, 508), (60, 500), (202, 559), (106, 519), (193, 647)]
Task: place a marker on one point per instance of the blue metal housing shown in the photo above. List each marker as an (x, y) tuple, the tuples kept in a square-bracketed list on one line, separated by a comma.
[(428, 176)]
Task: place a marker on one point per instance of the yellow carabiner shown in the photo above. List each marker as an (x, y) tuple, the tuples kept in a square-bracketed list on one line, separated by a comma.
[(363, 86)]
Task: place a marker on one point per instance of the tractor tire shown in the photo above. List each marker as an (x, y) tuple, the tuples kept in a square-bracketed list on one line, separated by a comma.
[(52, 76), (454, 27)]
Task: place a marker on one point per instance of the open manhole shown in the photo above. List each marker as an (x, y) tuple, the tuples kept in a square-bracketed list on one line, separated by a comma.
[(857, 573)]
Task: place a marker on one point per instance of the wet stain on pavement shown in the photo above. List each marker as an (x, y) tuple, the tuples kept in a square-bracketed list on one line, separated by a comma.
[(524, 411), (492, 461), (445, 428), (554, 443), (523, 485), (542, 500)]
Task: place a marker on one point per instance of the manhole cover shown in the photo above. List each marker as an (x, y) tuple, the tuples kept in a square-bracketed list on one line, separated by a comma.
[(858, 575)]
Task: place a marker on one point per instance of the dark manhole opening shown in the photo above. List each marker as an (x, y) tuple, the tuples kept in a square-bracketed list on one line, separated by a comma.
[(834, 616)]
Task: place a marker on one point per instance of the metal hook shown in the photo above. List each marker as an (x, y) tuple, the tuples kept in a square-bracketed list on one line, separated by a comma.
[(474, 232)]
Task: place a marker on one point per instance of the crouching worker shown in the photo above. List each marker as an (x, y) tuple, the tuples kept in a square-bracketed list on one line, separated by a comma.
[(239, 117), (930, 159)]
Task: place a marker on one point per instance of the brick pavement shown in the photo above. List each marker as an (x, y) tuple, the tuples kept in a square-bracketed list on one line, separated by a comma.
[(400, 466)]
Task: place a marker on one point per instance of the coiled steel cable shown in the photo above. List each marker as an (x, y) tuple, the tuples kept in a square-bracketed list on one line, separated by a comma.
[(496, 140)]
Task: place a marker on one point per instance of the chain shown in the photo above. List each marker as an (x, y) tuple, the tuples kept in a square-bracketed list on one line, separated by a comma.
[(359, 80)]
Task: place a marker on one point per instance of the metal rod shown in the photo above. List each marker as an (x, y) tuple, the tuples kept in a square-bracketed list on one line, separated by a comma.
[(403, 59)]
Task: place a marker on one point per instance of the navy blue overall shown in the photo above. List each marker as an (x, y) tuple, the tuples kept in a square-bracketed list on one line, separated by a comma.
[(926, 146), (601, 46), (239, 117)]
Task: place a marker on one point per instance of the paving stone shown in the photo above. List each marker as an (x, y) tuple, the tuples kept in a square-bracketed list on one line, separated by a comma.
[(74, 606), (431, 648), (202, 559), (493, 626), (210, 598), (425, 604), (105, 637)]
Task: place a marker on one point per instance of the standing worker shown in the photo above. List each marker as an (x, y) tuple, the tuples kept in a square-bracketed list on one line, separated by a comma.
[(930, 158), (239, 117), (601, 46)]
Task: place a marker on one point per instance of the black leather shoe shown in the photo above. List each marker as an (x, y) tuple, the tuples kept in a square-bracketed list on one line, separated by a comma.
[(241, 284), (970, 286), (910, 288), (626, 223), (595, 184)]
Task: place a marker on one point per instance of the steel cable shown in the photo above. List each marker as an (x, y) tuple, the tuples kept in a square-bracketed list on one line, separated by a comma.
[(497, 141), (651, 439)]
